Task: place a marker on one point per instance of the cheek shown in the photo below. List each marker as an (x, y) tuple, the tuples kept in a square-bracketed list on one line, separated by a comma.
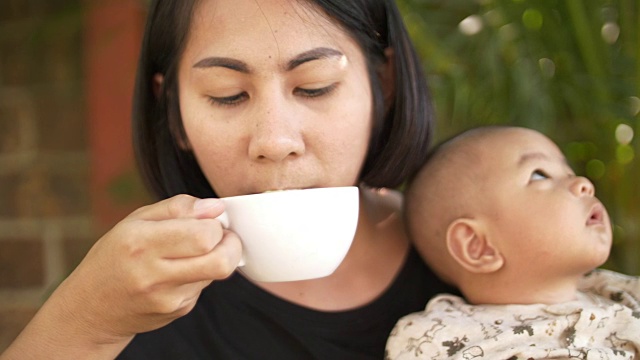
[(213, 144), (519, 224), (349, 134), (357, 119), (545, 226)]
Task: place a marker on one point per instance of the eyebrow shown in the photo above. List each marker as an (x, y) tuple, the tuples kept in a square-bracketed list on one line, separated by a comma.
[(223, 62), (311, 55), (241, 66), (531, 156)]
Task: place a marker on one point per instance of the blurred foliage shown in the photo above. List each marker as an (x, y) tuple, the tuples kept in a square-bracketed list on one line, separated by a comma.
[(568, 68)]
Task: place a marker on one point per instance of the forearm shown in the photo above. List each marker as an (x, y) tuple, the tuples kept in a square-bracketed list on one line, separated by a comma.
[(135, 279), (57, 333)]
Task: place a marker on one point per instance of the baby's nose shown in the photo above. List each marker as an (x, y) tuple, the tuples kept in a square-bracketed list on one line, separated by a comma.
[(582, 186)]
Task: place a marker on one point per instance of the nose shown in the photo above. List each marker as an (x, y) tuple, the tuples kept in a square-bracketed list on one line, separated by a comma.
[(581, 186), (276, 134)]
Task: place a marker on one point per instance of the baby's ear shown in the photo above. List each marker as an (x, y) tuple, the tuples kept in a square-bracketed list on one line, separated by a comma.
[(469, 246)]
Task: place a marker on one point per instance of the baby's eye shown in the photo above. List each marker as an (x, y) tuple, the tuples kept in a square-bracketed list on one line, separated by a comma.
[(539, 175)]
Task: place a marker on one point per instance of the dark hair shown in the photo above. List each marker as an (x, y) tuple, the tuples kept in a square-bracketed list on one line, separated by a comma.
[(401, 132)]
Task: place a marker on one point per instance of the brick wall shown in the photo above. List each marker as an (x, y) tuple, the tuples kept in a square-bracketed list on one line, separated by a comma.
[(55, 197)]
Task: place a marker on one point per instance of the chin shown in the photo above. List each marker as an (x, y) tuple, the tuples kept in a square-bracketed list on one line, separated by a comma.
[(599, 261)]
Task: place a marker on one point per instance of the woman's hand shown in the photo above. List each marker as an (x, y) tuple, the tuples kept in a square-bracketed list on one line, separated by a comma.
[(144, 273)]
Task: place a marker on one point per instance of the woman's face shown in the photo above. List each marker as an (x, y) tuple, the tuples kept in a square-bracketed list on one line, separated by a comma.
[(273, 96)]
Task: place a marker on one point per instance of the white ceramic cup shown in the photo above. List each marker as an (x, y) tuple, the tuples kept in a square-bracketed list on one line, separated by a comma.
[(292, 235)]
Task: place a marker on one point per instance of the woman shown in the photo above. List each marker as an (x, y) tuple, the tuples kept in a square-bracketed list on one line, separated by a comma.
[(246, 96)]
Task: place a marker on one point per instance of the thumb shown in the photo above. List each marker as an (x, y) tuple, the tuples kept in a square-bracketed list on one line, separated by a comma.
[(207, 208)]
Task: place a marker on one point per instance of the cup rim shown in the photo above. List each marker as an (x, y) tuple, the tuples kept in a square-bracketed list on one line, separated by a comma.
[(289, 191)]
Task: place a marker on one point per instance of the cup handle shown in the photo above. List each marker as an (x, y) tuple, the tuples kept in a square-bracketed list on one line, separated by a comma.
[(224, 220)]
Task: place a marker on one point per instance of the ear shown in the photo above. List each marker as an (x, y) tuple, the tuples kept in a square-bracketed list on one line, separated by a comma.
[(387, 75), (156, 85), (470, 247), (180, 138)]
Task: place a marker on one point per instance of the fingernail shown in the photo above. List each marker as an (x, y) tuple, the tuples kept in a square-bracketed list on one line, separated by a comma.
[(202, 204)]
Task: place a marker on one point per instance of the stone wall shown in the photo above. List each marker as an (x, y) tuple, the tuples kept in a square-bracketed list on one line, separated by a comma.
[(47, 157)]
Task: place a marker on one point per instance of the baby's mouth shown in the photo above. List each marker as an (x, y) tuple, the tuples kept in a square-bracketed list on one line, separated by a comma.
[(596, 216)]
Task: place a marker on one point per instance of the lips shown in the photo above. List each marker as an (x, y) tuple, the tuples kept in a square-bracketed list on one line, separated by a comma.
[(596, 215), (278, 188)]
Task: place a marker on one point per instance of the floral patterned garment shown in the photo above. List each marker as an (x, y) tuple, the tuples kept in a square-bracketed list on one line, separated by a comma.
[(603, 323)]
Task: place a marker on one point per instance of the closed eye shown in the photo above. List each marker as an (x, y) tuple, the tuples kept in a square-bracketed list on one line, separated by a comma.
[(538, 174), (229, 100), (312, 93)]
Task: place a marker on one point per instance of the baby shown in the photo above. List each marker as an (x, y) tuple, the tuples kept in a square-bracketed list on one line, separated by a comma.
[(498, 212)]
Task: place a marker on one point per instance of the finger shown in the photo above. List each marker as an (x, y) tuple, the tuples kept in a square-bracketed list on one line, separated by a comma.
[(218, 264), (190, 294), (180, 206), (171, 239), (174, 301), (169, 302)]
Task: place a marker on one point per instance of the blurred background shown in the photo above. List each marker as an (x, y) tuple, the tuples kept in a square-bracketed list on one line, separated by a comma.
[(568, 68)]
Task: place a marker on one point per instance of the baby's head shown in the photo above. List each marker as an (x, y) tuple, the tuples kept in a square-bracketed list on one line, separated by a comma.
[(500, 205)]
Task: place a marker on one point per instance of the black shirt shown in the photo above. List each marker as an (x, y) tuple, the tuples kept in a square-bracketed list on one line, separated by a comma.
[(234, 319)]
